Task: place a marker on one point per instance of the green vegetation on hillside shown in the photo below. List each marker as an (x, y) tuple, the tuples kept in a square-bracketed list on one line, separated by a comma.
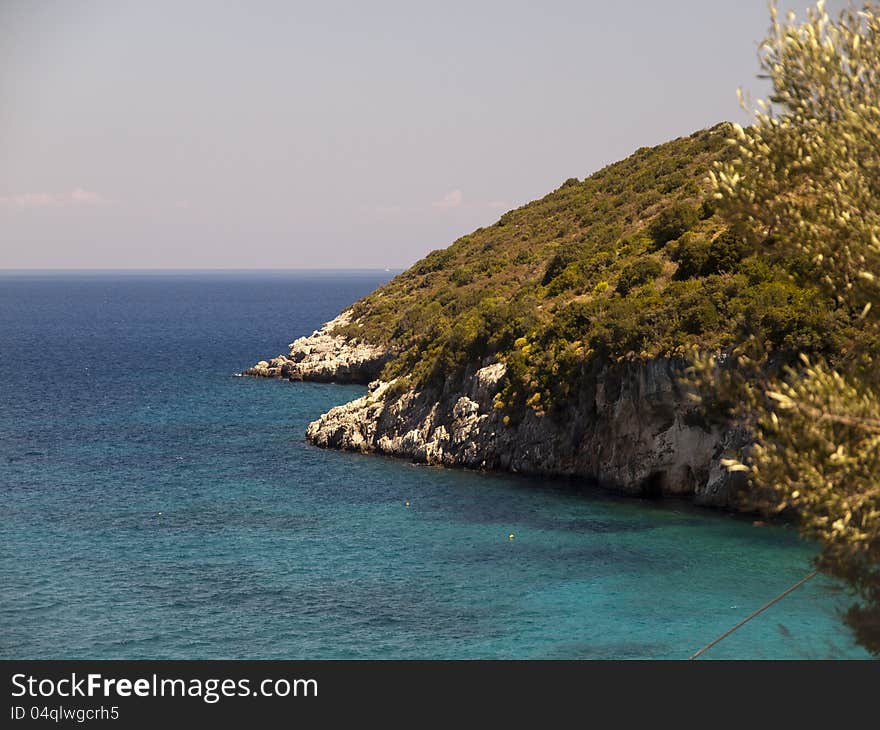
[(631, 262)]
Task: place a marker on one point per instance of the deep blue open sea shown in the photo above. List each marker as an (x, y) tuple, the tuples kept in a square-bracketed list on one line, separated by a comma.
[(156, 506)]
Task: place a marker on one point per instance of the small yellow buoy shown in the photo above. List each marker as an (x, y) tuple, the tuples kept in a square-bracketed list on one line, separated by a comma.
[(407, 504), (511, 536)]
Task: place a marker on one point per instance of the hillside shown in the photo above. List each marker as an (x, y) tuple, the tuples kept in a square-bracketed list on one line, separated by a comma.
[(630, 262)]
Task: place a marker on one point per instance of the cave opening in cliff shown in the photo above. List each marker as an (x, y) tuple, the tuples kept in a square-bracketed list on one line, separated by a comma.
[(652, 486)]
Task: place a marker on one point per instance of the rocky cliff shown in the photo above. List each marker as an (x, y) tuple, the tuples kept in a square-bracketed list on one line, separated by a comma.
[(633, 430)]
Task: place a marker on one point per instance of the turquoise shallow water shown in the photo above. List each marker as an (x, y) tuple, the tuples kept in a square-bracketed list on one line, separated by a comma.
[(118, 402)]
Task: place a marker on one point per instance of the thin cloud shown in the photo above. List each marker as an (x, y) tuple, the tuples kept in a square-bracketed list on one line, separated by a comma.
[(86, 197), (28, 200), (452, 199), (77, 196)]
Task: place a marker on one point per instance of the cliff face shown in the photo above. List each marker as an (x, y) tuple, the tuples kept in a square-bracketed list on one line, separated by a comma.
[(325, 356), (632, 430)]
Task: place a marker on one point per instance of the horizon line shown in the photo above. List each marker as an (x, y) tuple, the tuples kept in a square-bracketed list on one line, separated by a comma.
[(99, 269)]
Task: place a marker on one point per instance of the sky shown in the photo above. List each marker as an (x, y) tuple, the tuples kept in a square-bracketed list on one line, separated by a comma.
[(270, 134)]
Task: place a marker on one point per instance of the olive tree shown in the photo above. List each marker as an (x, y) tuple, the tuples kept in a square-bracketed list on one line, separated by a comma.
[(805, 178)]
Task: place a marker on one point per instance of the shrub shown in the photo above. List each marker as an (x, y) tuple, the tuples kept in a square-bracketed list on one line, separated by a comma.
[(566, 255), (703, 317), (434, 261), (690, 253), (570, 322), (672, 222), (725, 253), (462, 276), (639, 272)]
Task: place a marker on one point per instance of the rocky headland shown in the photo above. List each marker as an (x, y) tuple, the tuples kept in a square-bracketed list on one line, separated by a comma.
[(633, 431), (325, 357), (553, 341)]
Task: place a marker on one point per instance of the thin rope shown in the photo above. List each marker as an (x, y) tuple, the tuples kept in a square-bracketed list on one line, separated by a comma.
[(756, 613)]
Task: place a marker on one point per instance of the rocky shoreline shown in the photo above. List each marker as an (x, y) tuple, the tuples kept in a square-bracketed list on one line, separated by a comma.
[(325, 357), (633, 430)]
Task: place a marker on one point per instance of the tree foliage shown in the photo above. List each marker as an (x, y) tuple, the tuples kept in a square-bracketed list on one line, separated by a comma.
[(805, 178)]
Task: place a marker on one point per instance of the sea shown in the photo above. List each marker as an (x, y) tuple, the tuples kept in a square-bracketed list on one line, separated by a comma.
[(156, 505)]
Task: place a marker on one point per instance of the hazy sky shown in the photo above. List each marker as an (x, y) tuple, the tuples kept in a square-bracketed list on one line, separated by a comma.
[(325, 134)]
